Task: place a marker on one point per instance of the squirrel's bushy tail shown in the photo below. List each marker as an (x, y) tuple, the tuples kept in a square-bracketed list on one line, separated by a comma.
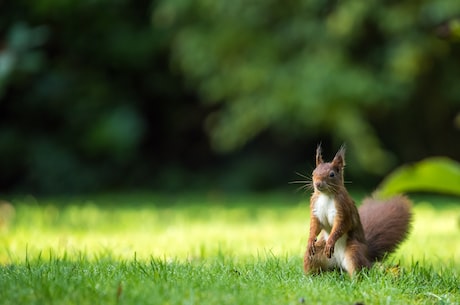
[(386, 224)]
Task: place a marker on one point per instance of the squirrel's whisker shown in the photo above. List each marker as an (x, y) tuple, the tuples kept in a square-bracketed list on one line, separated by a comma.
[(303, 176), (298, 181)]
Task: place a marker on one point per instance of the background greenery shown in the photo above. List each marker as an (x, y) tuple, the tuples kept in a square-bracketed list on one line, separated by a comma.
[(225, 95)]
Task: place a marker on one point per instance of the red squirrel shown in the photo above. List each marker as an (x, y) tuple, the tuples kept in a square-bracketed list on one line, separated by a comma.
[(350, 239)]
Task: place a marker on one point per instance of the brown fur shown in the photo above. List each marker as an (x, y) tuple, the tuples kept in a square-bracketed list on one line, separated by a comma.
[(376, 229), (386, 224)]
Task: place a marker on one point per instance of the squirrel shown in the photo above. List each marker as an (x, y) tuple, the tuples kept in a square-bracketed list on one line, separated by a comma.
[(350, 239)]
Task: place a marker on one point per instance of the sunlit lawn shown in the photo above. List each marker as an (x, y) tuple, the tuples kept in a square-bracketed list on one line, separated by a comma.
[(207, 249)]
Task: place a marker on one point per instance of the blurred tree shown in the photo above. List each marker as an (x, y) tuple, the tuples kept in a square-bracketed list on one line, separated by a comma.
[(85, 96), (18, 52), (361, 71), (106, 94)]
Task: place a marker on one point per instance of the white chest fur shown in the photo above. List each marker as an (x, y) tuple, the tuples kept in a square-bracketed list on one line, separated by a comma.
[(325, 211)]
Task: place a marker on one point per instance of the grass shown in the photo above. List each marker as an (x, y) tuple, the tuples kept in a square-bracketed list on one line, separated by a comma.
[(207, 249)]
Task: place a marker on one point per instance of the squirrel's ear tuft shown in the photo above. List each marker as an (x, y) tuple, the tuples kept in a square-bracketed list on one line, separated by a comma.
[(339, 159), (319, 158)]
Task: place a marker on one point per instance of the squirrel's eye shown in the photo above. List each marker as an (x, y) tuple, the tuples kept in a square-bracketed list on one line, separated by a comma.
[(331, 174)]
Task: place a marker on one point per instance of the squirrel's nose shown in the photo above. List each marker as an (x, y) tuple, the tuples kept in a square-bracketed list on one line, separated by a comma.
[(319, 184)]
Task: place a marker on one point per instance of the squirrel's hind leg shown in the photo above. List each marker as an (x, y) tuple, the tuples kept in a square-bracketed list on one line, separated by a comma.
[(355, 257), (319, 262)]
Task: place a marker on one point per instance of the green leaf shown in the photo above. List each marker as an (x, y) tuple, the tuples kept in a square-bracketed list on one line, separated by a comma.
[(437, 174)]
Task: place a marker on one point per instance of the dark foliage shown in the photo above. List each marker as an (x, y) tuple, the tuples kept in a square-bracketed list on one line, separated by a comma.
[(98, 95)]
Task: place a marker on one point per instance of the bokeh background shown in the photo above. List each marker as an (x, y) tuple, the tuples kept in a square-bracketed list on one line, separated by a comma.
[(173, 95)]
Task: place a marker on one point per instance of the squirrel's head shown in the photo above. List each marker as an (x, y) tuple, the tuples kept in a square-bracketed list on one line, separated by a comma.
[(327, 176)]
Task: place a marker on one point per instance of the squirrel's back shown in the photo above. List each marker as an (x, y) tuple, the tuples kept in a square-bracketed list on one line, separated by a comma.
[(386, 224)]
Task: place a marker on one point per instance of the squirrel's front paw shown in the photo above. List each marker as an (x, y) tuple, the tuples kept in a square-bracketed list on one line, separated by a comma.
[(329, 250), (311, 248)]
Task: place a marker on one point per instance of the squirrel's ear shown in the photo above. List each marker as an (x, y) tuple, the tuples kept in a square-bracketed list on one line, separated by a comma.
[(339, 159), (319, 158)]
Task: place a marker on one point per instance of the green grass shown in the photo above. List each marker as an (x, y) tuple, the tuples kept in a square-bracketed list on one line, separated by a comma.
[(213, 249)]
